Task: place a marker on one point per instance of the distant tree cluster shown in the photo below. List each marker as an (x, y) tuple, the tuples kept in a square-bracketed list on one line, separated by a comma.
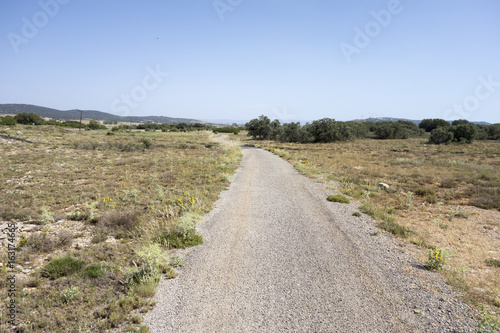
[(330, 130), (25, 118), (442, 132), (180, 127)]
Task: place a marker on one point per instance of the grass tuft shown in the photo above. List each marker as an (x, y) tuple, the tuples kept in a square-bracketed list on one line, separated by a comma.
[(62, 266), (338, 198)]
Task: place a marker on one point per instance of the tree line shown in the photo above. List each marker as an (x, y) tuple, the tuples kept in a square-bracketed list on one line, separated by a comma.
[(329, 130)]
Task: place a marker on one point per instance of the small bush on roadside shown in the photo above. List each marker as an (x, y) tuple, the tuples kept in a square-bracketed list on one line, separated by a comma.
[(338, 198), (62, 266), (183, 232), (395, 229), (436, 259)]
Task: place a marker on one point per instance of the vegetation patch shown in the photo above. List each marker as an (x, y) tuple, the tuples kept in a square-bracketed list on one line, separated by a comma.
[(338, 198), (62, 266)]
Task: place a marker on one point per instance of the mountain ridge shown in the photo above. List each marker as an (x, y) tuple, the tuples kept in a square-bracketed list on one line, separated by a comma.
[(89, 114)]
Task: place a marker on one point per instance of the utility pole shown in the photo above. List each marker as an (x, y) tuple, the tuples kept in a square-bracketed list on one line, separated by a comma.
[(81, 114)]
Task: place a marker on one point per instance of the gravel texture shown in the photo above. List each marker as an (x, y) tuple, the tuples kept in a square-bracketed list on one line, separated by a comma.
[(279, 257)]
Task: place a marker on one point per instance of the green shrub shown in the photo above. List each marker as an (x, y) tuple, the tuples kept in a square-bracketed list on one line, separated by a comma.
[(28, 118), (183, 232), (464, 133), (422, 192), (8, 121), (493, 262), (441, 135), (62, 266), (338, 198), (95, 270), (436, 259), (395, 229)]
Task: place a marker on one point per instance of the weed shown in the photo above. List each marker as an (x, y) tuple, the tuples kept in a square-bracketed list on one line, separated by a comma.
[(448, 183), (440, 223), (118, 221), (357, 214), (46, 216), (95, 270), (436, 259), (62, 266), (488, 323), (395, 229), (338, 198), (409, 199), (422, 192), (69, 294), (176, 261), (457, 213), (37, 242), (493, 262)]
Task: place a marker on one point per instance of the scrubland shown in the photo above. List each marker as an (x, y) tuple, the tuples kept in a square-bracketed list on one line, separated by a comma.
[(98, 216)]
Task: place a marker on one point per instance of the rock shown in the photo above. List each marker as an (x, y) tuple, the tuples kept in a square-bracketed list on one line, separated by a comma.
[(383, 186), (19, 133)]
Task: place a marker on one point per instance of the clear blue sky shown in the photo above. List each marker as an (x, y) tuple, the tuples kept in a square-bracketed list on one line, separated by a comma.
[(238, 59)]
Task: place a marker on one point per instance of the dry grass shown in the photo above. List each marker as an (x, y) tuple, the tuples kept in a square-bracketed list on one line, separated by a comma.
[(123, 190), (448, 196)]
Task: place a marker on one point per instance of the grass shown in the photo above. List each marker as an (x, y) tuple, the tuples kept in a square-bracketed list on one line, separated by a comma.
[(428, 185), (62, 266), (121, 192)]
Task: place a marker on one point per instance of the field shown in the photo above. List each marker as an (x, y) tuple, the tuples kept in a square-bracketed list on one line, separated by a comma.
[(443, 197), (98, 216)]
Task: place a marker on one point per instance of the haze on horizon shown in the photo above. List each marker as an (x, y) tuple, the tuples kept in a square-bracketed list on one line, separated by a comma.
[(236, 59)]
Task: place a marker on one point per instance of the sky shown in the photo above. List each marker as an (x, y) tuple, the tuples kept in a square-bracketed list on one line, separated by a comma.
[(238, 59)]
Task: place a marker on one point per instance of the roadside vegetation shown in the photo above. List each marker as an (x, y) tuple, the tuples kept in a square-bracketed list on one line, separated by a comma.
[(441, 200), (99, 217)]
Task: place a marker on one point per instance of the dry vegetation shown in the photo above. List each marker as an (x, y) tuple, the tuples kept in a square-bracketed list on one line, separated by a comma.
[(97, 214), (446, 196)]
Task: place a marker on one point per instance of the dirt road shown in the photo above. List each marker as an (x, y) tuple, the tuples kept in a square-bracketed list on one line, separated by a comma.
[(278, 257)]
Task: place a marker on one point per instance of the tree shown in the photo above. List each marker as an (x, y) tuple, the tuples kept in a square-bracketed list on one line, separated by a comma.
[(293, 132), (28, 118), (94, 125), (441, 135), (259, 128), (459, 122), (464, 133), (430, 124)]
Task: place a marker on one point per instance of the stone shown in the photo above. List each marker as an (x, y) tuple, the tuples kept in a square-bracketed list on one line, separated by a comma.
[(383, 186)]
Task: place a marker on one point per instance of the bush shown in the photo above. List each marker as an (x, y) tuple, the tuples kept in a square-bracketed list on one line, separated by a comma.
[(183, 232), (95, 270), (28, 118), (62, 266), (440, 135), (431, 124), (118, 221), (424, 192), (95, 125), (8, 121), (464, 133), (338, 198)]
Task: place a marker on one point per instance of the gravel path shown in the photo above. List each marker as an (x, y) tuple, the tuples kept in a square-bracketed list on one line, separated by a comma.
[(279, 257)]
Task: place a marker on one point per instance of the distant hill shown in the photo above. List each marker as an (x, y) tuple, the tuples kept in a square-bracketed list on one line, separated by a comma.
[(88, 114), (417, 122)]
